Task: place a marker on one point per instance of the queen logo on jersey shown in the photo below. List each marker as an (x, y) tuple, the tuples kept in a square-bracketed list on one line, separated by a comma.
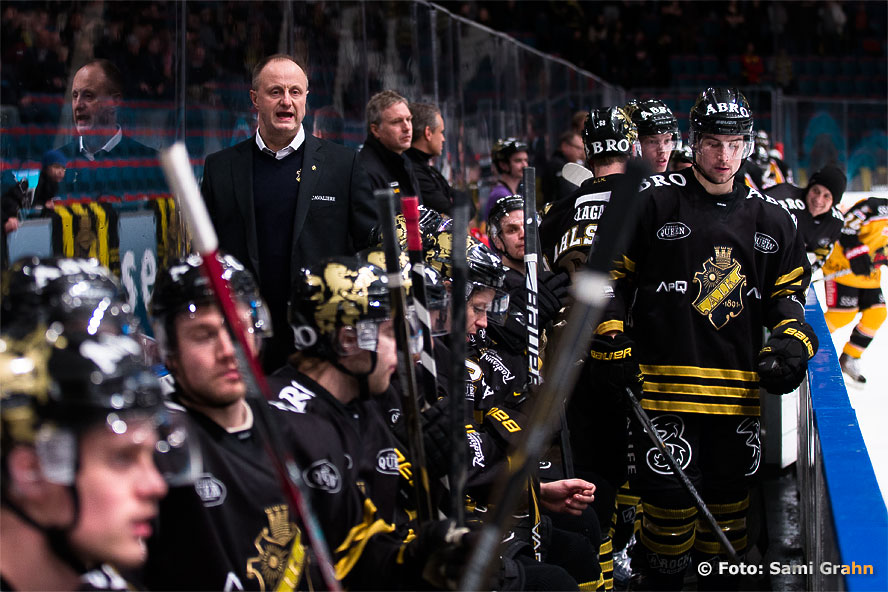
[(720, 296)]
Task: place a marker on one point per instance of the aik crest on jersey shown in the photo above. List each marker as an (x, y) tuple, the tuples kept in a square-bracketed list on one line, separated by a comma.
[(720, 283)]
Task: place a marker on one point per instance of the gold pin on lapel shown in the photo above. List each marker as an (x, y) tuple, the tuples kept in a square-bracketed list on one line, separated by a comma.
[(314, 167)]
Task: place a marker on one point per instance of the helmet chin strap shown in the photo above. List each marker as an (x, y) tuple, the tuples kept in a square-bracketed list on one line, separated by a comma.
[(57, 537), (361, 377)]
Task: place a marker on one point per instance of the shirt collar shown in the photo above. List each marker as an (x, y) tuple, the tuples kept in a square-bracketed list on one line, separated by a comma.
[(286, 150), (108, 147)]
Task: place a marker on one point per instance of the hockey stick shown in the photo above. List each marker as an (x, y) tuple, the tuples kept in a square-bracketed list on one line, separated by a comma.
[(457, 387), (177, 169), (385, 201), (576, 173), (410, 209), (677, 470), (561, 375), (532, 250)]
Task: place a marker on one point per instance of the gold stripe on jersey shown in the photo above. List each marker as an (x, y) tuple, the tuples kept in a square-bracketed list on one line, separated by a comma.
[(357, 538), (102, 231), (694, 389), (67, 230), (668, 513), (607, 326), (699, 372), (730, 508), (788, 277), (710, 408), (85, 238), (714, 547), (691, 389)]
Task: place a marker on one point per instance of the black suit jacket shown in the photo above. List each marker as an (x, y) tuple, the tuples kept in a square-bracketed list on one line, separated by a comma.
[(335, 212)]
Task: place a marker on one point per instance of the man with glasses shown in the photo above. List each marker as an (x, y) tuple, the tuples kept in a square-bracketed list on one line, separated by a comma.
[(709, 263)]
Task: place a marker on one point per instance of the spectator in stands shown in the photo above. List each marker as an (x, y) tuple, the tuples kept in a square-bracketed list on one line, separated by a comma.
[(96, 97), (283, 198), (570, 149), (389, 135), (12, 198), (428, 144), (509, 156), (51, 175), (753, 67)]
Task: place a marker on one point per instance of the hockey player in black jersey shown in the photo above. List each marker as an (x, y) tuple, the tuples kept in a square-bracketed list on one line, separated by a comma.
[(596, 417), (84, 434), (505, 230), (709, 263), (814, 207), (658, 132)]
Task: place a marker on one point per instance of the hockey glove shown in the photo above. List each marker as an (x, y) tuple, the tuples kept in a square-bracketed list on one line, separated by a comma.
[(552, 292), (435, 437), (440, 552), (782, 363), (860, 260), (613, 366)]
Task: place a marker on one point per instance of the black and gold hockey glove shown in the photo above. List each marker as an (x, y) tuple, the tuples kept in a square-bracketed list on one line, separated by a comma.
[(613, 367), (860, 260), (782, 363)]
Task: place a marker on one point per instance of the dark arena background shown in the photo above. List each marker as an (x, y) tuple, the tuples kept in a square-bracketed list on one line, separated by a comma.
[(814, 73)]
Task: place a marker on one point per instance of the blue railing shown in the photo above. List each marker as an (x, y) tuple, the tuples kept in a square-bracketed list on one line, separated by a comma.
[(844, 517)]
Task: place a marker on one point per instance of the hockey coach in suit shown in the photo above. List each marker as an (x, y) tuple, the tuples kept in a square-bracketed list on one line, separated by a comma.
[(284, 198)]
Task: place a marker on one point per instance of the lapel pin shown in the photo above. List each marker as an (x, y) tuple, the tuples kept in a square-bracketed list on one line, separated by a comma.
[(314, 167)]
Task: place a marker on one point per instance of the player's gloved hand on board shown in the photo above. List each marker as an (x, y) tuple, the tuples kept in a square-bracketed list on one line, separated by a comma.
[(860, 260), (435, 437), (552, 292), (782, 363), (440, 552), (614, 368)]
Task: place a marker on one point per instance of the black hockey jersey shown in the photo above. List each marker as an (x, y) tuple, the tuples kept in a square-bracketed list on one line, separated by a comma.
[(819, 233), (700, 278), (568, 226), (368, 442)]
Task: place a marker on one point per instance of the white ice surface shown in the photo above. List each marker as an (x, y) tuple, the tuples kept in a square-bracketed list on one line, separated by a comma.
[(870, 402)]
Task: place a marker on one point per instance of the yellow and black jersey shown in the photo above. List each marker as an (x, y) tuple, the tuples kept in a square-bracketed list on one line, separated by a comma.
[(700, 278), (866, 223), (819, 233)]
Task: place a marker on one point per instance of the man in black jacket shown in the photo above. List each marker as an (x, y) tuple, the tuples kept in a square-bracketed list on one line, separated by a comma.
[(389, 135), (428, 143), (284, 198)]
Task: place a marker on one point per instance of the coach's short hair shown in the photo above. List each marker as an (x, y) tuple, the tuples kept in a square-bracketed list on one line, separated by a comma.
[(379, 103), (424, 116), (113, 77), (257, 69)]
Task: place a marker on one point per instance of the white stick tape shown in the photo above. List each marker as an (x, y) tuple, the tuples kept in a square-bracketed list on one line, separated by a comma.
[(177, 169)]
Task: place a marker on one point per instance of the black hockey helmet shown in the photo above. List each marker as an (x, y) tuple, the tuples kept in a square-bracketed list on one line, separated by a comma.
[(79, 293), (610, 132), (503, 150), (57, 386), (183, 287), (438, 301), (502, 206), (339, 292), (722, 111), (652, 117), (486, 270)]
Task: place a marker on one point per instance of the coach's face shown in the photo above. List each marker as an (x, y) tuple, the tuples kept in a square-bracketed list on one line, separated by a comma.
[(279, 97)]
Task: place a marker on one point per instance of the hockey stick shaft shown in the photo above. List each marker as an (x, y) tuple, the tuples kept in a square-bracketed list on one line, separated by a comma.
[(177, 168), (680, 474), (457, 387), (410, 209), (532, 262), (385, 201), (561, 374)]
